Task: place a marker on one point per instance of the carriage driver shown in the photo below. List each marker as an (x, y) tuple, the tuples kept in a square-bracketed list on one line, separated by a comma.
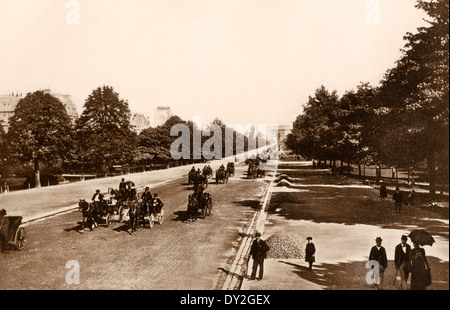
[(122, 187), (146, 198), (157, 204), (97, 199)]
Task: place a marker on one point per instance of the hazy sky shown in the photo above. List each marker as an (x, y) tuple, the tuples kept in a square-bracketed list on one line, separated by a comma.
[(245, 61)]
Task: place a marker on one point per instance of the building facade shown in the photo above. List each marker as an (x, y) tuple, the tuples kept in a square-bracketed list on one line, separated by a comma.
[(8, 104)]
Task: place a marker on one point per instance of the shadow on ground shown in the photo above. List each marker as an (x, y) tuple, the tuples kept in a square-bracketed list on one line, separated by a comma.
[(352, 205), (254, 204), (352, 275)]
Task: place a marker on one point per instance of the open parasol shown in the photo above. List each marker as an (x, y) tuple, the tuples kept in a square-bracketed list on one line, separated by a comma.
[(422, 237)]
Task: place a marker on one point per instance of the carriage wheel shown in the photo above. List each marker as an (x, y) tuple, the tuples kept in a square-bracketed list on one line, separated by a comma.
[(120, 214), (108, 219), (20, 238), (209, 208), (151, 221), (203, 214), (161, 219)]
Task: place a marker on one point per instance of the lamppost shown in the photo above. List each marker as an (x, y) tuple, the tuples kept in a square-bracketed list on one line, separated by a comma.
[(82, 167)]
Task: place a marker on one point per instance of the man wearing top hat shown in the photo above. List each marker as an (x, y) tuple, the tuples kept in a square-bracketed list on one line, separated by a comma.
[(258, 252), (401, 261), (378, 253), (310, 253)]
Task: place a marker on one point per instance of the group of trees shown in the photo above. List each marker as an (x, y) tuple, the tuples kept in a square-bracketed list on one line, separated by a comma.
[(41, 135), (403, 122)]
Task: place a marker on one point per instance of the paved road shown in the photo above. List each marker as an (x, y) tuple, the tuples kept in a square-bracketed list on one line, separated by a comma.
[(38, 202), (174, 255)]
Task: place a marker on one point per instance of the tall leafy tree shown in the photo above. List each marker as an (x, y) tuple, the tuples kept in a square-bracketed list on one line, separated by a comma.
[(154, 143), (414, 97), (40, 131), (104, 135), (355, 121), (315, 132)]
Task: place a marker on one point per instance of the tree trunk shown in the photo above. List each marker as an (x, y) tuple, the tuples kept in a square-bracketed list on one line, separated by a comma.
[(37, 177), (431, 166), (396, 175), (359, 169)]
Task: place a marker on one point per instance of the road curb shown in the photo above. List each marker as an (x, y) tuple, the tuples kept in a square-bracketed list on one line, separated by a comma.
[(238, 269)]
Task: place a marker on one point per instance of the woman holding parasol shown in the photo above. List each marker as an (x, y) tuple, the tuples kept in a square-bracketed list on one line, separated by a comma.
[(420, 269)]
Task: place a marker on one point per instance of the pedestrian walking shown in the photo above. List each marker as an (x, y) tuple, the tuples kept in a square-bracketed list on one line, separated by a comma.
[(402, 261), (310, 253), (258, 252), (411, 198), (378, 253), (398, 199), (383, 191), (420, 269)]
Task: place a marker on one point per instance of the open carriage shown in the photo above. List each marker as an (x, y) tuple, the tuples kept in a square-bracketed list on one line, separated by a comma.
[(150, 212), (11, 231), (199, 204)]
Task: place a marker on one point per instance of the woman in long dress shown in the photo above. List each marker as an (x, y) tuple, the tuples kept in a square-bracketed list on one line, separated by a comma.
[(419, 268)]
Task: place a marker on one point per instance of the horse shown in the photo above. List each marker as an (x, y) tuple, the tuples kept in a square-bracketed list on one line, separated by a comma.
[(200, 180), (134, 213), (192, 208), (89, 214), (207, 171), (3, 230), (221, 176), (230, 168)]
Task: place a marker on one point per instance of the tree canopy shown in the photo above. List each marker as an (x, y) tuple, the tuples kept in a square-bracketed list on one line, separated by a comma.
[(103, 131), (40, 131)]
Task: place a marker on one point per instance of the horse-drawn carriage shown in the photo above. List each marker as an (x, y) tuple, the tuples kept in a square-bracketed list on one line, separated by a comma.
[(207, 171), (222, 176), (199, 204), (95, 213), (11, 231), (230, 169), (147, 213), (198, 179), (254, 168)]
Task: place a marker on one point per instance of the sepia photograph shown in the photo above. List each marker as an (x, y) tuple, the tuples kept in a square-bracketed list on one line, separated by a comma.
[(221, 152)]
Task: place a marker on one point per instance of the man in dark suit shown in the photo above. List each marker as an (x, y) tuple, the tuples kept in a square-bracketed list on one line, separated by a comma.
[(378, 253), (398, 199), (258, 252), (147, 198), (310, 253), (402, 262), (123, 188)]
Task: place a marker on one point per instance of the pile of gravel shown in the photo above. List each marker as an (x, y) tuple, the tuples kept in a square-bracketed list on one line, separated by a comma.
[(286, 245), (283, 177)]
